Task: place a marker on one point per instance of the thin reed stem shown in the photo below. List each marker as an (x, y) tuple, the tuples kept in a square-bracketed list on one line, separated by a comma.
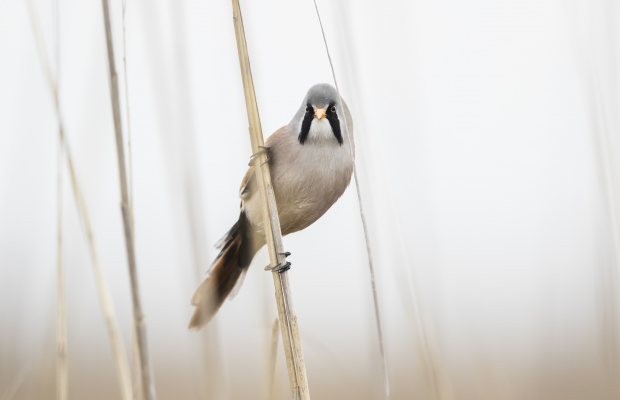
[(62, 377), (135, 366), (271, 224), (273, 356), (105, 298), (209, 366), (62, 381), (15, 384), (148, 385), (428, 347), (127, 114), (386, 381)]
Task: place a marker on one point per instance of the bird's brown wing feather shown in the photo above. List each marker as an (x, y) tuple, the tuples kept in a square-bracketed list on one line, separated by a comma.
[(247, 183)]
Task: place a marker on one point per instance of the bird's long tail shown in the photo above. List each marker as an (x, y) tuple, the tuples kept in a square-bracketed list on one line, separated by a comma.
[(238, 248)]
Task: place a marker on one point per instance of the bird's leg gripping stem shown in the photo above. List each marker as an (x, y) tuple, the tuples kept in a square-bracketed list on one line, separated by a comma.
[(263, 150), (280, 268)]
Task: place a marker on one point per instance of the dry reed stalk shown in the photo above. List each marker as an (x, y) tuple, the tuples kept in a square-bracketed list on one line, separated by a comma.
[(135, 367), (128, 115), (597, 70), (135, 364), (273, 356), (148, 385), (105, 298), (62, 378), (209, 366), (271, 224), (62, 382), (15, 384), (421, 324), (386, 381)]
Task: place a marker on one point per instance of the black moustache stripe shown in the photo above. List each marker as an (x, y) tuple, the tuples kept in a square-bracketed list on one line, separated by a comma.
[(305, 125), (332, 117)]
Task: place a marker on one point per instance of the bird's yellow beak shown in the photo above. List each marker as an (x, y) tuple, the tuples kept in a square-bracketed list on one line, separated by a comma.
[(319, 113)]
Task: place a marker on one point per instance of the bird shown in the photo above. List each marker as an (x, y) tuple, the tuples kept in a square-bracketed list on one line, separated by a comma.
[(311, 161)]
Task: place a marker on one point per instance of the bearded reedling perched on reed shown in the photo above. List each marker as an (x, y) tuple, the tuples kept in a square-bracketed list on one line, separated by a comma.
[(311, 166)]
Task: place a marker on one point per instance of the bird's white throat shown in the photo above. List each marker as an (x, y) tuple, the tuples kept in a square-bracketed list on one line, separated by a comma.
[(321, 130)]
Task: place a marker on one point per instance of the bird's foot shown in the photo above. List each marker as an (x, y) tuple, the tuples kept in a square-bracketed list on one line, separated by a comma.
[(279, 268), (263, 150)]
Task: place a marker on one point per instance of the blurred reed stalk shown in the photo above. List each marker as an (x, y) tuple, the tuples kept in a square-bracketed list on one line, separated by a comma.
[(107, 306), (128, 115), (105, 297), (273, 357), (209, 366), (136, 383), (148, 385), (135, 354), (386, 380), (422, 324), (62, 382), (597, 49), (62, 378), (15, 384), (271, 223)]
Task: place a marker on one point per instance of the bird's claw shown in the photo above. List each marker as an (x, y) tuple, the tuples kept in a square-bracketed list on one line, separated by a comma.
[(279, 268), (263, 150), (286, 253)]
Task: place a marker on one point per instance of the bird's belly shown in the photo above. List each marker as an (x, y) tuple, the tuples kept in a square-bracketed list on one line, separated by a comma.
[(304, 191), (301, 207)]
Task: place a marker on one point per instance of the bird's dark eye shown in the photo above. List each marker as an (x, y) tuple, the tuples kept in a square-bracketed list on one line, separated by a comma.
[(333, 109), (307, 110)]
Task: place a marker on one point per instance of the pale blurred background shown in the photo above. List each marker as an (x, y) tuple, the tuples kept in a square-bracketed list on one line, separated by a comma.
[(487, 136)]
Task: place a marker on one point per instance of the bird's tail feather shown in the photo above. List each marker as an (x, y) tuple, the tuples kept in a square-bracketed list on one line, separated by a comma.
[(238, 247), (213, 291)]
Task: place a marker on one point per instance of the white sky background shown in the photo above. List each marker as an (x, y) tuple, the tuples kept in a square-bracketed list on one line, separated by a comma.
[(486, 135)]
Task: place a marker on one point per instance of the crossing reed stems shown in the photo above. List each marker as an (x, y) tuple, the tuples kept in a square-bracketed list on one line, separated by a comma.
[(148, 385)]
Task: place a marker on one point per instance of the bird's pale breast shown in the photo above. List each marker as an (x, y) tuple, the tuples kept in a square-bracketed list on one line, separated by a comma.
[(307, 179)]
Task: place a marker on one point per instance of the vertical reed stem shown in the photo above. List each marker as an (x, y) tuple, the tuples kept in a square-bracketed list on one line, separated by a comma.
[(386, 381), (136, 382), (135, 366), (62, 378), (62, 384), (271, 224), (273, 357), (128, 115), (105, 298), (148, 386)]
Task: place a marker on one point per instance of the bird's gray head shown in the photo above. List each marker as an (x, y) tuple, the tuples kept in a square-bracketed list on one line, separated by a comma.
[(318, 118)]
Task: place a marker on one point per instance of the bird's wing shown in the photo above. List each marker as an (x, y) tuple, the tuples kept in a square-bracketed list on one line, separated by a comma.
[(247, 184)]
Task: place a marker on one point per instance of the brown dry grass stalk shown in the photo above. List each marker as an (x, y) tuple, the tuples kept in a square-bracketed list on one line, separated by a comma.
[(271, 223), (148, 385), (105, 298), (386, 380)]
